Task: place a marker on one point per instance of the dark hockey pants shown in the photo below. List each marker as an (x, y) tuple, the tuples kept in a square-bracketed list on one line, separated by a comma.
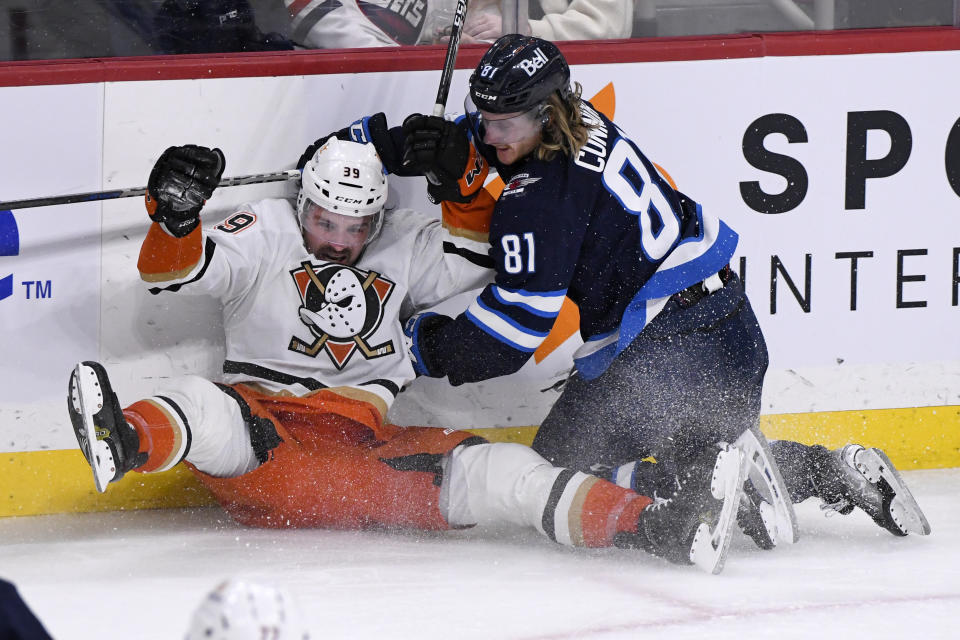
[(692, 377)]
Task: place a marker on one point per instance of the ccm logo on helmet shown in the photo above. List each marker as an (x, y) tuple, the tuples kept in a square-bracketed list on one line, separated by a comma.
[(534, 62), (347, 200)]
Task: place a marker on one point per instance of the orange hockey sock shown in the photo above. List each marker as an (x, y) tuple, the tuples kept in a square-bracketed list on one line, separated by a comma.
[(585, 511), (162, 428), (608, 510)]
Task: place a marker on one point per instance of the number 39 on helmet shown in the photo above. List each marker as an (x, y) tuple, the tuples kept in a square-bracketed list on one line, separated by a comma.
[(345, 178)]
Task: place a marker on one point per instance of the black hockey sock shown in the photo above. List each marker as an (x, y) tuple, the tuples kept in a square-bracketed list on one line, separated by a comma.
[(808, 471)]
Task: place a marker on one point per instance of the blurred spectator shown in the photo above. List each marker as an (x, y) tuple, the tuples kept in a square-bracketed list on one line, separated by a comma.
[(212, 26), (554, 20), (334, 24), (343, 24)]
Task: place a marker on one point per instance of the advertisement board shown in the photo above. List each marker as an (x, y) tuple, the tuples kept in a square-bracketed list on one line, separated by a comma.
[(49, 257), (839, 172)]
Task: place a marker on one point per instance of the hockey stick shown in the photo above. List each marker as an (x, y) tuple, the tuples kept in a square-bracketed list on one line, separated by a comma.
[(459, 16), (93, 196), (446, 76)]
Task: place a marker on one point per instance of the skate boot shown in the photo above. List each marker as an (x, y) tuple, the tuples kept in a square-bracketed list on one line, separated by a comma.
[(694, 524), (867, 479), (107, 441), (766, 513), (756, 518)]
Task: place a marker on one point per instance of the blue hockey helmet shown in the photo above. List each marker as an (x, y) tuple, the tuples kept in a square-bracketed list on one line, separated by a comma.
[(517, 73)]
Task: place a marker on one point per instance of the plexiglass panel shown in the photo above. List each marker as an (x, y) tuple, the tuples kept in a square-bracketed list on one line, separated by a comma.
[(52, 29)]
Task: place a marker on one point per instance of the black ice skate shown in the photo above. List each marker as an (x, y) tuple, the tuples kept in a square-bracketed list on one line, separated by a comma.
[(867, 479), (766, 513), (107, 441), (756, 518), (694, 525)]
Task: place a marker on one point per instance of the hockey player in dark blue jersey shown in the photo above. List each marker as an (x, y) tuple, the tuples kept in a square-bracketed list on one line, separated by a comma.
[(673, 358), (17, 621)]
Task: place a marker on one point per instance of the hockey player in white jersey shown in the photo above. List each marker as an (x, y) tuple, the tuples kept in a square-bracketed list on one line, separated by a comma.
[(295, 434)]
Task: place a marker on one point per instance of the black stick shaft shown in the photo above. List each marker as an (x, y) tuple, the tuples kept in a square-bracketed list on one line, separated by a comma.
[(446, 76), (459, 16), (93, 196)]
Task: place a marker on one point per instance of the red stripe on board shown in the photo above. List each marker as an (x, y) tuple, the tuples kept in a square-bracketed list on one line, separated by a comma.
[(230, 65), (425, 58), (663, 49), (825, 43)]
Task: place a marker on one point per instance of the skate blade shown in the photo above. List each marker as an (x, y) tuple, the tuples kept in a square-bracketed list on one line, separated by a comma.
[(87, 398), (768, 515), (765, 475), (709, 548), (906, 513)]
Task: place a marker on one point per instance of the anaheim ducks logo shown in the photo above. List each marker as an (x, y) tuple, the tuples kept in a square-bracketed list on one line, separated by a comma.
[(342, 306)]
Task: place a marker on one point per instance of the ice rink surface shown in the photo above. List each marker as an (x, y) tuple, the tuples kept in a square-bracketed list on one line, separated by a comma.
[(139, 575)]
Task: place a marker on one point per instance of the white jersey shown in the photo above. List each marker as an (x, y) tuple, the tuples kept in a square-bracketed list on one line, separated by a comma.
[(339, 24), (296, 324)]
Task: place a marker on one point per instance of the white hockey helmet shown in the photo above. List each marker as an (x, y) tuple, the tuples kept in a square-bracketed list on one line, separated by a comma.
[(241, 610), (346, 178)]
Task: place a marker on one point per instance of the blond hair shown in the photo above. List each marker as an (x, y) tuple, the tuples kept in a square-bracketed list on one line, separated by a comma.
[(565, 130)]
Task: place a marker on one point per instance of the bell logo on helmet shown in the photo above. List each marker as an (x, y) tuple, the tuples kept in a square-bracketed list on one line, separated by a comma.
[(517, 73), (532, 64)]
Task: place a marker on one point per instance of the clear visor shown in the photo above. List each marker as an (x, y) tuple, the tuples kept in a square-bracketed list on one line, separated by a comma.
[(336, 228), (502, 128)]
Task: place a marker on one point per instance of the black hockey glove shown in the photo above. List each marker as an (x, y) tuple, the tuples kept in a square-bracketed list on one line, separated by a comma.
[(417, 331), (372, 129), (440, 150), (181, 182)]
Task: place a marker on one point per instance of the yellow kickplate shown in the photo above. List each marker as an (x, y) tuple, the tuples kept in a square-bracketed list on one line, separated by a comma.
[(39, 482), (43, 482), (913, 438)]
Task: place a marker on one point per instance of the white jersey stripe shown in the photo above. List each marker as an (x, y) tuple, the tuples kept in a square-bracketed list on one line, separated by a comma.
[(502, 329), (568, 514), (544, 306), (181, 433)]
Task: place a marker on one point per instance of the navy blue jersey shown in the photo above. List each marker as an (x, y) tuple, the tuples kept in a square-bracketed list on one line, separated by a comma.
[(603, 228), (17, 621)]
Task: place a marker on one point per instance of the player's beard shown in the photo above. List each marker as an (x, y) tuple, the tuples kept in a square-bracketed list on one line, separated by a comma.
[(340, 256)]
